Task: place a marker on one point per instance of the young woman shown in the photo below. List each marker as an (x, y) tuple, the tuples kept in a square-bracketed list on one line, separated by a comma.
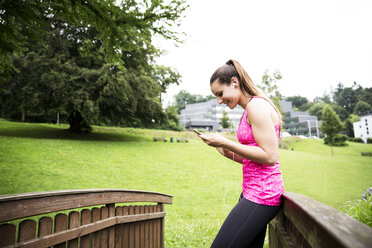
[(258, 134)]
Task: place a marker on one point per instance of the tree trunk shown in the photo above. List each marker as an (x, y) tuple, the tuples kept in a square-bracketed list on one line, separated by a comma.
[(78, 123), (23, 115)]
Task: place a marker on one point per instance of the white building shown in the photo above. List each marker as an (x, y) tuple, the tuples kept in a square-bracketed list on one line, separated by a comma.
[(362, 128), (207, 115)]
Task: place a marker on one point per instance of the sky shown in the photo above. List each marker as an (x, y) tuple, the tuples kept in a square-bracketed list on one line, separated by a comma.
[(314, 44)]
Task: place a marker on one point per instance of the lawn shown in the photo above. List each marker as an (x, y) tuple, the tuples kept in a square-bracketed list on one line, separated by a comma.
[(204, 185)]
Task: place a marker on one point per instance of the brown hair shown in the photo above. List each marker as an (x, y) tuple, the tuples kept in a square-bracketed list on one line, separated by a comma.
[(231, 69)]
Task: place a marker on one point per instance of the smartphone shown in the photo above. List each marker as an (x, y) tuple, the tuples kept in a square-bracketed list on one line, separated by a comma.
[(197, 131)]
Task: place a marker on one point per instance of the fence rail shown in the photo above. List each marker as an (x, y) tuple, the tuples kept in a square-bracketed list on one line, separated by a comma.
[(304, 222), (93, 219)]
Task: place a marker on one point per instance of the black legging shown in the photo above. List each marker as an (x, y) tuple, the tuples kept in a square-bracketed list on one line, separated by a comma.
[(245, 226)]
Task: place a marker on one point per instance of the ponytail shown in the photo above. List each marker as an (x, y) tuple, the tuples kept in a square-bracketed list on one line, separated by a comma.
[(246, 83), (231, 69)]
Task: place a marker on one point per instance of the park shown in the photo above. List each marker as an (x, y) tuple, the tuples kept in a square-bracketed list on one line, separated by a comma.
[(128, 158), (95, 153)]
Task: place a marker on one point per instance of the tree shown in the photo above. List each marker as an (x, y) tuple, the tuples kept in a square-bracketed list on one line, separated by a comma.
[(297, 101), (349, 127), (346, 98), (331, 125), (115, 22), (92, 72), (184, 97), (361, 107), (269, 85), (366, 95), (165, 76), (225, 121), (173, 120), (317, 109), (340, 111)]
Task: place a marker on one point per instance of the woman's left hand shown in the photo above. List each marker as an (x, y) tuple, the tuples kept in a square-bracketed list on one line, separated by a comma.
[(214, 140)]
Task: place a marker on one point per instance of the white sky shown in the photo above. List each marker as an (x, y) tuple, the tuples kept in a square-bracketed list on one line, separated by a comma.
[(314, 44)]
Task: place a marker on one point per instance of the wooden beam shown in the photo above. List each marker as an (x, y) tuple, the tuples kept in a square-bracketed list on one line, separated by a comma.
[(324, 226), (29, 204), (56, 238)]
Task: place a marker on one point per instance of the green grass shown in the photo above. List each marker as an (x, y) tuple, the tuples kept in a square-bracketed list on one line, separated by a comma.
[(360, 210), (310, 169), (204, 185)]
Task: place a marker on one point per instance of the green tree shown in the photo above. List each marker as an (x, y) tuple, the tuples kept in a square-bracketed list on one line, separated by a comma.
[(225, 121), (340, 111), (349, 128), (346, 97), (165, 76), (317, 109), (173, 120), (361, 107), (92, 72), (183, 98), (366, 95), (331, 126), (297, 101), (269, 85), (120, 25)]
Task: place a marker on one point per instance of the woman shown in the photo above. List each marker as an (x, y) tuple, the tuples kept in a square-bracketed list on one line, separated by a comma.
[(258, 134)]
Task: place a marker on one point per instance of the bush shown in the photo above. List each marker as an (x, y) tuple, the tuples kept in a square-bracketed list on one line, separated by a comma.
[(359, 140), (338, 140), (369, 141)]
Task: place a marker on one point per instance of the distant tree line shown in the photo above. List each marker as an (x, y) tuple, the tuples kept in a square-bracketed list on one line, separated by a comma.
[(92, 62), (346, 103)]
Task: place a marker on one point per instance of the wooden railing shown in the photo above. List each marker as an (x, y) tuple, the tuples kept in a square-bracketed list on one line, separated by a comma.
[(106, 224), (304, 222)]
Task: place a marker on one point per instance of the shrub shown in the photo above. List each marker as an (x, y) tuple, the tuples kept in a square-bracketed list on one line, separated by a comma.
[(338, 140), (359, 140), (369, 141)]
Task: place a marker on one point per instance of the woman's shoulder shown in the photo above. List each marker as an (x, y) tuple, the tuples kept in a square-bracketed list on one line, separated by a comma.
[(258, 108), (258, 103)]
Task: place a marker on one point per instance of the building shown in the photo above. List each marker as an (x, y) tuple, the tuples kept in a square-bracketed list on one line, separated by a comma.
[(207, 115), (362, 127), (299, 123)]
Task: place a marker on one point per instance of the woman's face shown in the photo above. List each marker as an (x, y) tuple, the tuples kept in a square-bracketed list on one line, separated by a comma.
[(227, 94)]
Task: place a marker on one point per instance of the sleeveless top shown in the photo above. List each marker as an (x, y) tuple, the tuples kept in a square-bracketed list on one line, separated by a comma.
[(262, 184)]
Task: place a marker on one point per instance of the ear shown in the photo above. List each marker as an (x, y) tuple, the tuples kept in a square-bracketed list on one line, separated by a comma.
[(235, 82)]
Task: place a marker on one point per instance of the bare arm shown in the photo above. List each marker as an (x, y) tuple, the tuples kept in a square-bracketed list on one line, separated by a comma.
[(267, 152), (231, 155)]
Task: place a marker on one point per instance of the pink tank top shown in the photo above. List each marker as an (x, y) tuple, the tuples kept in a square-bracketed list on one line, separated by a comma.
[(262, 184)]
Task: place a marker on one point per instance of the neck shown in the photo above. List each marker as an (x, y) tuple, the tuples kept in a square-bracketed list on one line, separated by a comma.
[(244, 100)]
